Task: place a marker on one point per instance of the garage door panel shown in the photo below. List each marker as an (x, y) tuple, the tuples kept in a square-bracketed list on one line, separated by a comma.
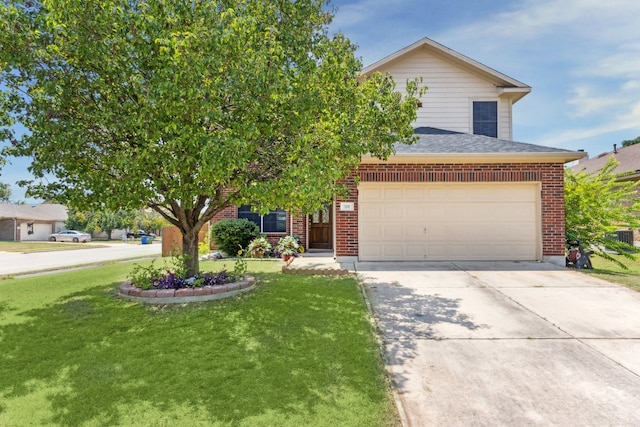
[(393, 194), (392, 212), (449, 221), (414, 211), (437, 232), (417, 194), (393, 231), (393, 251)]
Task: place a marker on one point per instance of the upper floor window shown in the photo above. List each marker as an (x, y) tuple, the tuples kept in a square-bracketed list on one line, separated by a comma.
[(485, 118), (274, 222)]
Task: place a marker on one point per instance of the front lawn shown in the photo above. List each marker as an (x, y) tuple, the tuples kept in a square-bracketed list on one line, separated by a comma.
[(610, 271), (298, 350)]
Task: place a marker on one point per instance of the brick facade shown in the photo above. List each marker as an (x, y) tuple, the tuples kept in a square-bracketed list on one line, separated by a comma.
[(296, 227), (8, 230), (549, 175)]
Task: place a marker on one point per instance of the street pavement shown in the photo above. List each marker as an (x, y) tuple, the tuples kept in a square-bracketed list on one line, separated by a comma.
[(490, 344), (12, 263)]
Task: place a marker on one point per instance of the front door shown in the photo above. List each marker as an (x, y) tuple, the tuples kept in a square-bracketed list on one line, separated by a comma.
[(320, 229)]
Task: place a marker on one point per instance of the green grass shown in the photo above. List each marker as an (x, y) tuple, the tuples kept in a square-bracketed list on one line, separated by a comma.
[(298, 350), (30, 247), (612, 272)]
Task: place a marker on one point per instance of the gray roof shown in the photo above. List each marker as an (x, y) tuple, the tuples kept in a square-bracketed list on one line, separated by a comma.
[(42, 212), (440, 141), (627, 157)]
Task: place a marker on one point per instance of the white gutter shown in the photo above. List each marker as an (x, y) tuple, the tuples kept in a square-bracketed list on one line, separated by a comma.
[(470, 158)]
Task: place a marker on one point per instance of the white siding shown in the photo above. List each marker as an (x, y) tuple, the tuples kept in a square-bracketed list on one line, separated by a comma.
[(40, 231), (447, 102)]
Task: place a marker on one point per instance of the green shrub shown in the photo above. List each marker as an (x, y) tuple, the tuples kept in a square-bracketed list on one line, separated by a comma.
[(231, 235), (143, 277)]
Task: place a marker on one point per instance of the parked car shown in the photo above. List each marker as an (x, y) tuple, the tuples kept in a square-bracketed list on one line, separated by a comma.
[(70, 236)]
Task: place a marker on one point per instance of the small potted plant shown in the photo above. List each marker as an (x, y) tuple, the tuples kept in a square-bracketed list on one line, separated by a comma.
[(258, 247), (288, 247)]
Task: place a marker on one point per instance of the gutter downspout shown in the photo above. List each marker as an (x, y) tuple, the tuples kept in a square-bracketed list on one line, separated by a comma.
[(290, 223), (15, 229)]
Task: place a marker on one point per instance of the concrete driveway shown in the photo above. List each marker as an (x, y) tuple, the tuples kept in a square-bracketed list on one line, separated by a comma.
[(509, 343)]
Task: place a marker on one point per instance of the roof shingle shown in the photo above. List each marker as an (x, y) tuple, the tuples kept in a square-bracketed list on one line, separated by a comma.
[(440, 141), (42, 212)]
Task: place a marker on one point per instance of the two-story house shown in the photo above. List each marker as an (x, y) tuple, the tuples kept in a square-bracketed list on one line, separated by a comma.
[(463, 191)]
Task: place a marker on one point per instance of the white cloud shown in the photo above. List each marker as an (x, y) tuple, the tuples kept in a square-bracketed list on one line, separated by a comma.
[(623, 62), (628, 121), (631, 85), (608, 21), (587, 102)]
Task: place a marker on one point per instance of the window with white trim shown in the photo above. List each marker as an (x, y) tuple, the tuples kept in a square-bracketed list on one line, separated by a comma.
[(485, 118), (274, 222)]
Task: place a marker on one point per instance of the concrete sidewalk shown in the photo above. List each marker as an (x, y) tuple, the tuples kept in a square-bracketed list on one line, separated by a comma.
[(507, 344), (320, 262)]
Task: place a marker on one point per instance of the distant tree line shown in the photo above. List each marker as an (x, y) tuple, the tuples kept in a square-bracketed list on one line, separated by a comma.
[(107, 221), (629, 142)]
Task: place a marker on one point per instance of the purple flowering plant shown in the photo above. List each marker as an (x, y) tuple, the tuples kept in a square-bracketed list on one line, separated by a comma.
[(153, 277)]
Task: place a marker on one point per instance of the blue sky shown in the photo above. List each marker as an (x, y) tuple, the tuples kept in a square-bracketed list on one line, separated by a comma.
[(581, 58)]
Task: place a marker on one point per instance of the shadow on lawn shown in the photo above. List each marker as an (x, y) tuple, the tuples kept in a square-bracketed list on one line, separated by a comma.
[(102, 359)]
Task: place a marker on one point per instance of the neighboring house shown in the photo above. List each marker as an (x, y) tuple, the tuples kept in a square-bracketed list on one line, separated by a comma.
[(31, 222), (627, 170), (464, 191)]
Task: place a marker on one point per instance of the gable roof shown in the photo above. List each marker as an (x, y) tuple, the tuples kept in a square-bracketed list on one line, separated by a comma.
[(628, 157), (506, 84), (438, 146), (42, 212)]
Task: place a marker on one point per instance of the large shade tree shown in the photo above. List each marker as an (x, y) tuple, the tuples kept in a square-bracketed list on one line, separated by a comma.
[(189, 106)]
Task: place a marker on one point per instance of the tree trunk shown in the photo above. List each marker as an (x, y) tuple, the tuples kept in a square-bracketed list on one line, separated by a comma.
[(190, 252)]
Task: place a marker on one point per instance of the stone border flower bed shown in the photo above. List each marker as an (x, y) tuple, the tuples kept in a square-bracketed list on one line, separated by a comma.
[(171, 296)]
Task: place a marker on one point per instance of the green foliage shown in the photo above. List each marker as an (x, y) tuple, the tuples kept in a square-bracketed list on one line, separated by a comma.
[(288, 245), (142, 276), (597, 205), (5, 192), (628, 142), (108, 221), (239, 268), (204, 246), (148, 220), (189, 106), (232, 235), (259, 246), (179, 265), (77, 220)]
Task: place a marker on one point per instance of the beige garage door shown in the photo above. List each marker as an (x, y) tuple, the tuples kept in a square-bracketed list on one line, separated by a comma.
[(408, 221)]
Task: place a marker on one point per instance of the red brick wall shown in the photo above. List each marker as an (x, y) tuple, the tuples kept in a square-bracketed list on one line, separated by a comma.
[(551, 177), (299, 225)]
